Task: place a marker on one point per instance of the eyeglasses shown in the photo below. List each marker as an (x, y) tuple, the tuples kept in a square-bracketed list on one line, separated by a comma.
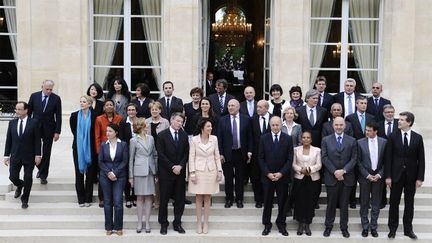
[(375, 87)]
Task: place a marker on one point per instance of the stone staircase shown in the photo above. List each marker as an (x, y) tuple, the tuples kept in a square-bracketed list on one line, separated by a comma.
[(54, 216)]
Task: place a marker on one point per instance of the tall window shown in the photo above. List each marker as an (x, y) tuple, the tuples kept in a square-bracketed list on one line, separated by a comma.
[(126, 42), (267, 49), (8, 56), (345, 42)]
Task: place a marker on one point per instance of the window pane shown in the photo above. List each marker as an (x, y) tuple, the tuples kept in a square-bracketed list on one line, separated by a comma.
[(140, 54), (8, 98), (3, 20), (363, 31), (320, 32), (364, 9), (332, 80), (154, 25), (146, 7), (6, 48), (108, 53), (363, 57), (108, 28), (330, 59), (8, 74), (108, 7), (320, 7), (105, 75), (11, 3), (141, 75)]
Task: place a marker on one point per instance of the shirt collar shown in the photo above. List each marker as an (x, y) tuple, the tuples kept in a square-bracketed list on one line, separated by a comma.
[(128, 120), (341, 135), (172, 130), (108, 141), (278, 134), (24, 119)]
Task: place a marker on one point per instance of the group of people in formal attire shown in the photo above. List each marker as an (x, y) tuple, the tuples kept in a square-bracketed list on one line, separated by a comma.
[(151, 151)]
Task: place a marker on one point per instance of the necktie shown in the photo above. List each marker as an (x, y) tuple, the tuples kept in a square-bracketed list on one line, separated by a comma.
[(339, 143), (176, 140), (311, 117), (44, 102), (250, 109), (21, 128), (363, 123), (168, 106), (234, 134), (264, 127), (221, 103), (373, 154), (321, 99), (276, 140), (350, 110), (389, 129), (376, 102), (405, 140)]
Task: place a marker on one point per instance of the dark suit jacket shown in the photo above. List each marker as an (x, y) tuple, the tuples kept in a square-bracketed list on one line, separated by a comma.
[(364, 162), (49, 120), (169, 154), (73, 122), (244, 110), (176, 105), (381, 128), (339, 98), (276, 158), (377, 112), (210, 89), (143, 110), (333, 159), (399, 159), (328, 129), (303, 120), (98, 110), (327, 101), (355, 123), (125, 133), (214, 99), (225, 136), (119, 166), (23, 148)]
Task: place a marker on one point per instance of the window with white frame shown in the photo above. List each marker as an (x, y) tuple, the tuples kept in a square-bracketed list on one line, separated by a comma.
[(8, 56), (345, 42), (267, 49), (127, 42)]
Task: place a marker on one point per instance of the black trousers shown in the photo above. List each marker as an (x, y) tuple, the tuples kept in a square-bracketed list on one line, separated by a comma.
[(352, 199), (128, 191), (304, 204), (338, 193), (255, 176), (409, 188), (14, 177), (281, 189), (234, 172), (175, 189), (84, 183), (47, 141)]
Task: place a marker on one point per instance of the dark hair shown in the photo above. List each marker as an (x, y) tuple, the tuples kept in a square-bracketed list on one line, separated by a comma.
[(320, 78), (24, 104), (202, 122), (106, 101), (114, 127), (409, 117), (223, 82), (175, 114), (295, 89), (167, 82), (210, 112), (360, 97), (124, 90), (132, 104), (307, 131), (98, 90), (373, 125), (196, 90), (145, 90), (276, 87)]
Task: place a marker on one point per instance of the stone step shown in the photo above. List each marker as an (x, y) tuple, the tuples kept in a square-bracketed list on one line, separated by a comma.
[(214, 236)]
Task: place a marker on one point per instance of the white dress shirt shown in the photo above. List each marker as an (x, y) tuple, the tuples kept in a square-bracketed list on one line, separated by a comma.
[(373, 151), (24, 125), (113, 149)]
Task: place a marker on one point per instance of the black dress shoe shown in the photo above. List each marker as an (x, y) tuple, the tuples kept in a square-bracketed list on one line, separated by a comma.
[(267, 230), (327, 232), (258, 205), (38, 175), (307, 230), (345, 233), (129, 204), (18, 192), (300, 229), (382, 206), (374, 233), (353, 205), (365, 233), (187, 201), (289, 213), (44, 181), (283, 231), (163, 229), (411, 235), (239, 204), (24, 205), (391, 234), (228, 203), (179, 229)]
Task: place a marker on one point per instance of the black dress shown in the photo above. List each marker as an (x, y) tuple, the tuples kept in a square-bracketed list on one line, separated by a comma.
[(190, 112)]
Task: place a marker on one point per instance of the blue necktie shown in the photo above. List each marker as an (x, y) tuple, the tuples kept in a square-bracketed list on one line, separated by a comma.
[(221, 103), (276, 140), (176, 140), (234, 134), (21, 128), (350, 110), (339, 143), (44, 102), (389, 129), (363, 123)]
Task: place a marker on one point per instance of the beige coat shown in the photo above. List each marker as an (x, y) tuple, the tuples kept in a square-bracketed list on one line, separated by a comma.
[(202, 156), (314, 162)]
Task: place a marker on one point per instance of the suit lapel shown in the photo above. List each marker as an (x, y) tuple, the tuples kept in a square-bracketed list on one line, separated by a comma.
[(365, 146)]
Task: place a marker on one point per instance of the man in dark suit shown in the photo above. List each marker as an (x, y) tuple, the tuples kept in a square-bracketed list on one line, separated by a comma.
[(311, 117), (275, 159), (221, 98), (371, 151), (339, 157), (260, 126), (325, 99), (404, 170), (347, 98), (336, 111), (210, 85), (142, 100), (235, 147), (375, 103), (173, 152), (249, 106), (170, 103), (22, 149), (45, 107)]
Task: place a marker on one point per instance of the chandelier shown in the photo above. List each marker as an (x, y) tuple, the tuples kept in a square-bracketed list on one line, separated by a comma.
[(232, 29), (337, 52)]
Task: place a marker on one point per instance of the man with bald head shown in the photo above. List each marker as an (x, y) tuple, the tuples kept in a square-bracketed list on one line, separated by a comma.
[(335, 111), (235, 147), (339, 157), (376, 103), (45, 107), (249, 106)]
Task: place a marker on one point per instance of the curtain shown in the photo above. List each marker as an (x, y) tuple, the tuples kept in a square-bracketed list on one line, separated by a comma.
[(320, 30), (205, 40), (365, 32), (105, 28), (152, 32), (11, 25)]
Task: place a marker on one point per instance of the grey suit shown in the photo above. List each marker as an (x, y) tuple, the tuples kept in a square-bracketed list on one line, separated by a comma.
[(142, 156), (338, 191), (296, 133), (370, 191)]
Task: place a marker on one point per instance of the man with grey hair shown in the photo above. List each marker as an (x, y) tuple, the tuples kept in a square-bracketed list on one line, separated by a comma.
[(347, 98), (45, 107)]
